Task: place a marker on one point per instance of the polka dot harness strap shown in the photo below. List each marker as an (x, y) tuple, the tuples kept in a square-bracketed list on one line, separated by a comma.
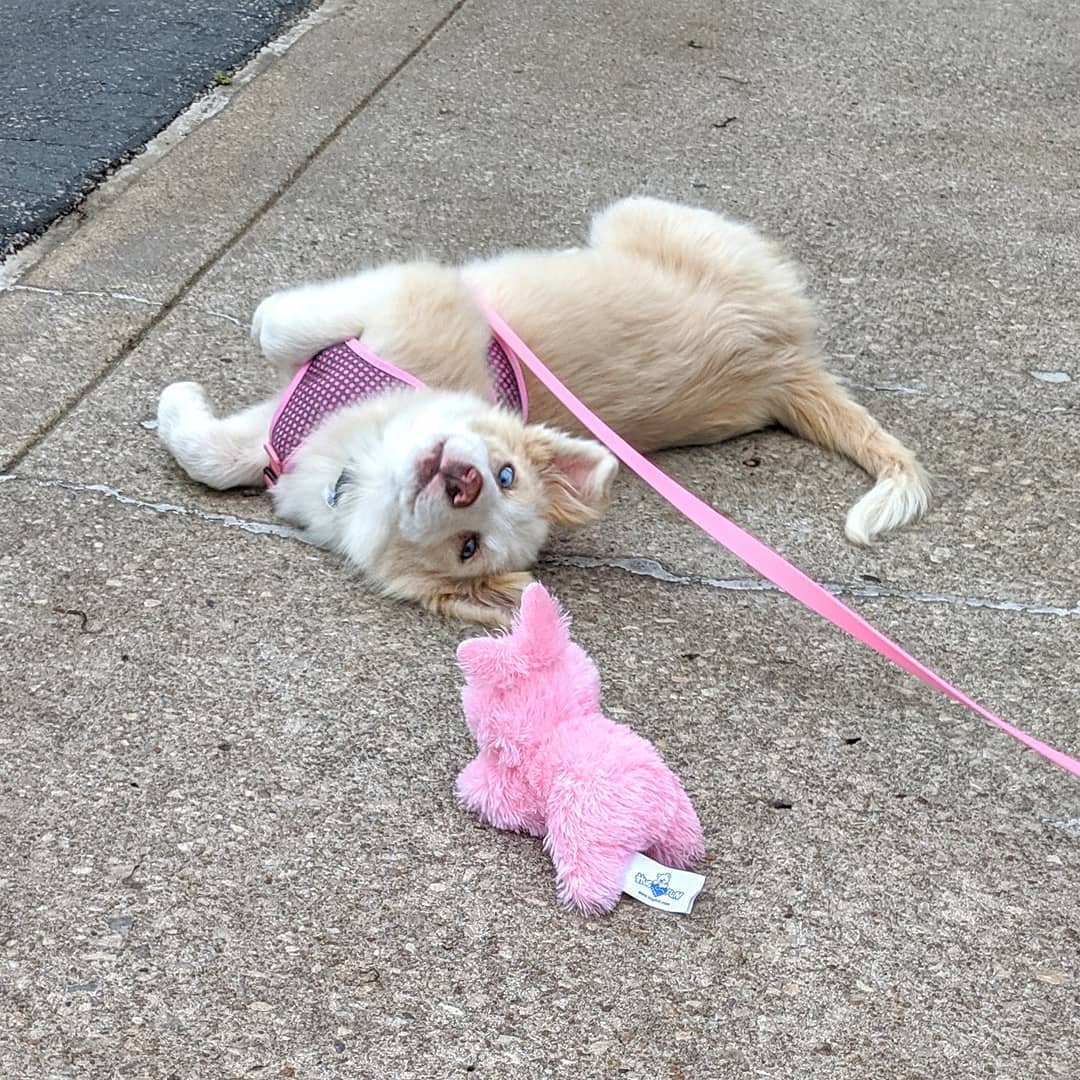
[(344, 374)]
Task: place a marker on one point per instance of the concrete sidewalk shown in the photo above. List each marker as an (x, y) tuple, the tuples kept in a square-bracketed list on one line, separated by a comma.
[(232, 848)]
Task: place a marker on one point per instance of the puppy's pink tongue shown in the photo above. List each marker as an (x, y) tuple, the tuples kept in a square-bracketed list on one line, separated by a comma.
[(462, 482)]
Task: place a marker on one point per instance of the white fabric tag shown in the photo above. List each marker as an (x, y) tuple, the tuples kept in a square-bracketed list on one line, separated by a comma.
[(661, 887)]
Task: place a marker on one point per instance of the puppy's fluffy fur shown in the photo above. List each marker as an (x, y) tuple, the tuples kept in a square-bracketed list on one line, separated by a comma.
[(676, 325)]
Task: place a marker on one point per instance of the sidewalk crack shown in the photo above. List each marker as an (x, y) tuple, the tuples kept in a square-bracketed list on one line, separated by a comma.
[(130, 298), (651, 568), (230, 521), (637, 566), (104, 294)]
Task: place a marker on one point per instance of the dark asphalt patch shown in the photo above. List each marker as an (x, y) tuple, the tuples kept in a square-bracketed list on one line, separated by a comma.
[(84, 85)]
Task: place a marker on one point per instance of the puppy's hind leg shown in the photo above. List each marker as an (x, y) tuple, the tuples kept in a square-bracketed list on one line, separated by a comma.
[(812, 404), (221, 452), (705, 248)]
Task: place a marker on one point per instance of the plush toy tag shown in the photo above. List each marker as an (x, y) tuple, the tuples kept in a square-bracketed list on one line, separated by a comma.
[(661, 887)]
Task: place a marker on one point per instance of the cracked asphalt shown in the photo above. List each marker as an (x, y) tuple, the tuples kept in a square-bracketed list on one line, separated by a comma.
[(231, 846), (84, 86)]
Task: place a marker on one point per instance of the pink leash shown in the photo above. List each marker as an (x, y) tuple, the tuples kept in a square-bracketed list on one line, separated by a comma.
[(756, 554)]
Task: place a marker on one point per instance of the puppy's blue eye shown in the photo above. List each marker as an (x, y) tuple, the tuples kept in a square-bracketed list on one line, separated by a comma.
[(469, 548), (506, 476)]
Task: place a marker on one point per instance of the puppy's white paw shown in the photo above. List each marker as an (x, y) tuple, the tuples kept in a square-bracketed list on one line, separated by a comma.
[(182, 405), (279, 326), (262, 317)]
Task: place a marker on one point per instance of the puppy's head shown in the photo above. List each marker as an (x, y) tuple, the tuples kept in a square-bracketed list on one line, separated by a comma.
[(451, 502)]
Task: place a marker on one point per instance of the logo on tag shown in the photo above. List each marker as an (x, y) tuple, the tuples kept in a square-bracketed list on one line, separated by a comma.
[(661, 887)]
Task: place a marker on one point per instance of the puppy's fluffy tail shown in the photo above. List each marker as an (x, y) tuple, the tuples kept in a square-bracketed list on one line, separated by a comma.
[(818, 409)]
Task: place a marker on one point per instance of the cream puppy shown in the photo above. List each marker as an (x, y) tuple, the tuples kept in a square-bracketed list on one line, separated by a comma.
[(676, 325)]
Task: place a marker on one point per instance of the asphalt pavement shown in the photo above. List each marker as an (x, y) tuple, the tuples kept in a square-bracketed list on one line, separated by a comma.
[(85, 84)]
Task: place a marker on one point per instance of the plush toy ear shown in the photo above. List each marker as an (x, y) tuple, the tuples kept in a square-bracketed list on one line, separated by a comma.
[(476, 657), (482, 659), (577, 474), (540, 623)]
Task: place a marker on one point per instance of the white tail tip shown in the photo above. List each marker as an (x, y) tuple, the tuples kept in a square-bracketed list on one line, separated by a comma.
[(888, 505)]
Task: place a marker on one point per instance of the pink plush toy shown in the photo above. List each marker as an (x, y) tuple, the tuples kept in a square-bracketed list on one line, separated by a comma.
[(552, 765)]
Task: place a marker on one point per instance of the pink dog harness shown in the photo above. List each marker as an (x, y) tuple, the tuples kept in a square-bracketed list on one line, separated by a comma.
[(344, 374)]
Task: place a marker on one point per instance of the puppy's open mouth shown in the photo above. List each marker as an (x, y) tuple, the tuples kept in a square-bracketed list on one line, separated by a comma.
[(427, 467), (460, 481)]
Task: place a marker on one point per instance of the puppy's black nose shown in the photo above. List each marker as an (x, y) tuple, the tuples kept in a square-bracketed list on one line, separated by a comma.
[(463, 482)]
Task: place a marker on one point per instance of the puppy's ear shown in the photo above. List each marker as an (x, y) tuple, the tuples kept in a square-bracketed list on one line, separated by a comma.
[(490, 600), (577, 474)]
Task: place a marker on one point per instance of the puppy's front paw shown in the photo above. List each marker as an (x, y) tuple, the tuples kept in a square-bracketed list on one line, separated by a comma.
[(278, 326), (181, 405)]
